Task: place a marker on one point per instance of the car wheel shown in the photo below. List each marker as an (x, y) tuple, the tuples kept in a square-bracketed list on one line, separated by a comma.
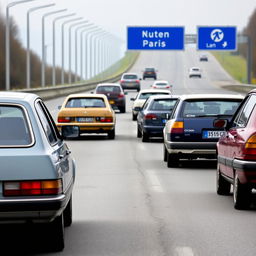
[(144, 78), (138, 89), (56, 234), (134, 117), (67, 214), (145, 137), (165, 154), (222, 185), (172, 160), (122, 109), (139, 134), (111, 134), (241, 194)]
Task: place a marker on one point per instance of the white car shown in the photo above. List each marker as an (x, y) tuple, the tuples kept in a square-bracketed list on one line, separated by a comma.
[(195, 71), (142, 96), (161, 85)]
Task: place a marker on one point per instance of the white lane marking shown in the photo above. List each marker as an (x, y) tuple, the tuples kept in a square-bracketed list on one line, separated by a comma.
[(154, 181), (184, 251)]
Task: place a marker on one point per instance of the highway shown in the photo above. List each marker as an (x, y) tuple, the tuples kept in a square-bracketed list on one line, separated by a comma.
[(127, 202)]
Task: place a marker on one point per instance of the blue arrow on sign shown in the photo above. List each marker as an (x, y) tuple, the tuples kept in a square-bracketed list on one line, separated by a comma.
[(155, 38), (216, 38)]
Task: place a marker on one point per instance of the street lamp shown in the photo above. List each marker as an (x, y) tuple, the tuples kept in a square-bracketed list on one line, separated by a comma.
[(28, 39), (7, 42), (63, 46), (43, 42), (53, 46)]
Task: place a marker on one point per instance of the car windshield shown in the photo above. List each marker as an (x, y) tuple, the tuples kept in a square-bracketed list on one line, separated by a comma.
[(14, 127), (130, 77), (162, 104), (106, 89), (85, 103), (145, 95), (204, 108)]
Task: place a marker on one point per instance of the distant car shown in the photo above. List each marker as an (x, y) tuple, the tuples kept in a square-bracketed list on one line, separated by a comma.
[(37, 171), (149, 73), (91, 113), (189, 134), (114, 93), (142, 96), (161, 85), (153, 116), (236, 151), (203, 57), (195, 72), (130, 81)]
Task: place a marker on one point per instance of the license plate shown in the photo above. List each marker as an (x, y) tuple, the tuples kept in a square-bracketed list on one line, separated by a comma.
[(111, 102), (85, 119), (164, 121), (212, 134)]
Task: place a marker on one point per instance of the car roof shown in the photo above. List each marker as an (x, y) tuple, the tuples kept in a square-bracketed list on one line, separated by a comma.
[(18, 96), (109, 84), (194, 68), (161, 81), (211, 96), (154, 90), (159, 96), (87, 95), (130, 74), (252, 91)]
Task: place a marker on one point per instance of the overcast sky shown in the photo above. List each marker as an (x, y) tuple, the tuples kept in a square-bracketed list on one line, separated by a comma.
[(115, 15)]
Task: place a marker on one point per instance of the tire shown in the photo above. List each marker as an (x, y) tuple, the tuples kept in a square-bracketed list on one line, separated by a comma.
[(144, 78), (56, 234), (241, 194), (134, 117), (112, 134), (222, 185), (138, 89), (139, 134), (165, 154), (145, 137), (67, 214), (122, 109), (172, 160)]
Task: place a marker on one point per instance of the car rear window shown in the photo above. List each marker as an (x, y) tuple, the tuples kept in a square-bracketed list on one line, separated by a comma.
[(150, 69), (85, 103), (106, 89), (130, 77), (209, 108), (162, 104), (161, 84), (195, 69), (144, 96), (14, 127)]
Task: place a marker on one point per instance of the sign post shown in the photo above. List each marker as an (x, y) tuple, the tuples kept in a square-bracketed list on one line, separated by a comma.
[(155, 38)]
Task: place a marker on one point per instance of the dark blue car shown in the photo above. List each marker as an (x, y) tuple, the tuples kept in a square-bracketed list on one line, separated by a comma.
[(190, 134), (153, 116)]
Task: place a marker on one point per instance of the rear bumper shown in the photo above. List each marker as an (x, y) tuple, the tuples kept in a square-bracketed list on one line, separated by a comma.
[(130, 86), (153, 130), (91, 127)]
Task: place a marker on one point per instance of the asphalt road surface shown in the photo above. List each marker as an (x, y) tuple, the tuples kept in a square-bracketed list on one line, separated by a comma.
[(127, 202)]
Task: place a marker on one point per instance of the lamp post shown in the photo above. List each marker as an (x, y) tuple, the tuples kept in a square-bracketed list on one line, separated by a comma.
[(63, 46), (43, 43), (7, 41), (53, 45), (28, 76)]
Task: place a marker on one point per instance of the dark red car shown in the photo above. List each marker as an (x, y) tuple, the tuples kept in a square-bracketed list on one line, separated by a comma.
[(236, 152)]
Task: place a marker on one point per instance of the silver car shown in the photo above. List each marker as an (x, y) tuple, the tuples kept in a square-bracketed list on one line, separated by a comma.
[(130, 81), (37, 171)]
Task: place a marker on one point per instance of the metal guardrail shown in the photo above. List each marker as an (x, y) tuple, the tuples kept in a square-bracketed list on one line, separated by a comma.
[(47, 93)]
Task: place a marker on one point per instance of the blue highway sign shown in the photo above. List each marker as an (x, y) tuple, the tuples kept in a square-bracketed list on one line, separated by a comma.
[(155, 38), (216, 38)]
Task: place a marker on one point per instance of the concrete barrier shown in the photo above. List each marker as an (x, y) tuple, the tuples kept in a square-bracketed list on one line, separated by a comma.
[(243, 88)]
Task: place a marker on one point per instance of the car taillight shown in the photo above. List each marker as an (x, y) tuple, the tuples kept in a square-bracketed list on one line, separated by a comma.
[(137, 81), (121, 81), (250, 147), (64, 119), (167, 86), (106, 119), (154, 86), (121, 95), (150, 117), (177, 127), (30, 188)]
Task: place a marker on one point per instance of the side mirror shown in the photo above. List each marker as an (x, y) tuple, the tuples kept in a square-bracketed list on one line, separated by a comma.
[(132, 99), (59, 107), (220, 123), (69, 132)]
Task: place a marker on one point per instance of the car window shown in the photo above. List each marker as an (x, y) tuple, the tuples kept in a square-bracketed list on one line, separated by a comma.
[(209, 108), (162, 104), (106, 89), (46, 123), (195, 69), (145, 95), (145, 105), (85, 103), (14, 127), (130, 77), (243, 116), (161, 84)]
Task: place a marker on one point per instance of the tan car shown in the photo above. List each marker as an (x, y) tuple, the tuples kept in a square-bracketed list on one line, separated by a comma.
[(92, 113)]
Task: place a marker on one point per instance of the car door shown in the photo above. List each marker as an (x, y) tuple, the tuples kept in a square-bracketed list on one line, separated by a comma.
[(58, 150), (236, 135)]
